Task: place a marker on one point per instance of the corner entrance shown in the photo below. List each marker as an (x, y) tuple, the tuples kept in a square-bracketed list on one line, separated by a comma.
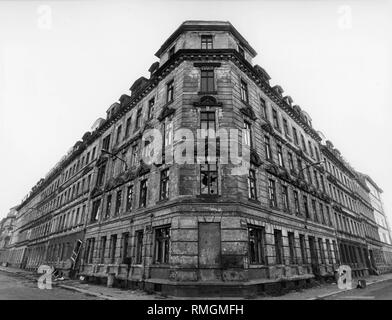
[(209, 251)]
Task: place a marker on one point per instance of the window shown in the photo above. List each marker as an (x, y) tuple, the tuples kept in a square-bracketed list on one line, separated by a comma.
[(309, 175), (124, 247), (103, 249), (275, 119), (291, 161), (118, 134), (295, 135), (164, 185), (317, 154), (138, 118), (244, 91), (170, 92), (209, 179), (247, 134), (128, 127), (257, 254), (322, 213), (129, 198), (278, 246), (167, 139), (306, 207), (241, 51), (302, 244), (108, 206), (95, 210), (118, 202), (329, 252), (207, 81), (293, 255), (267, 144), (139, 247), (285, 198), (329, 216), (252, 184), (272, 193), (263, 108), (134, 155), (285, 127), (280, 156), (101, 175), (90, 250), (310, 149), (151, 104), (321, 249), (113, 245), (296, 202), (206, 42), (303, 144), (316, 179), (162, 240), (106, 143), (314, 209), (143, 193), (171, 51), (300, 169)]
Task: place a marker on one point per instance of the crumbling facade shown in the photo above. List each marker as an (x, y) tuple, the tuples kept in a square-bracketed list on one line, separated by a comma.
[(204, 226)]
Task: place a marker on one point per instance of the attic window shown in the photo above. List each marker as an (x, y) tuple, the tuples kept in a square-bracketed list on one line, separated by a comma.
[(241, 51), (206, 42), (171, 52)]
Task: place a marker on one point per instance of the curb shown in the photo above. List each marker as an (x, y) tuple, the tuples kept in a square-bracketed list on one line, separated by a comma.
[(340, 291), (91, 293)]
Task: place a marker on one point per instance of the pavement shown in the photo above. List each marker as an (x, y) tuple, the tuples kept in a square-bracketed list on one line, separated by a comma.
[(378, 287)]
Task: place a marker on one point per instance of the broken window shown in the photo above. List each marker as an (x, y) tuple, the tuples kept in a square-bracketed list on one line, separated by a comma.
[(209, 179)]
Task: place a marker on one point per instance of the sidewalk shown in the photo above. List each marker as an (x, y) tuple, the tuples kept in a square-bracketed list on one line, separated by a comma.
[(106, 293), (326, 290), (98, 291)]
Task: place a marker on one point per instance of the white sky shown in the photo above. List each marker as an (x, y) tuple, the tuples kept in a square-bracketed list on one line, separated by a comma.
[(58, 75)]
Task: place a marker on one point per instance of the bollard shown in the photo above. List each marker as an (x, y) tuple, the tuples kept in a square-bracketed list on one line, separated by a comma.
[(110, 280)]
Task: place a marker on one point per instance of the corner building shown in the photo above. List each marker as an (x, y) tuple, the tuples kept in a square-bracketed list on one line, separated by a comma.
[(206, 228)]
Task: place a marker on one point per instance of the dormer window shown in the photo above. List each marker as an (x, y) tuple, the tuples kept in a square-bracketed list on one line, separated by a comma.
[(171, 52), (206, 42), (241, 51)]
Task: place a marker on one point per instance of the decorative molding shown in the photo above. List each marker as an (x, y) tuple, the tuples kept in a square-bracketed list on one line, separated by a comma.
[(207, 101), (166, 112), (207, 64), (255, 158), (248, 111)]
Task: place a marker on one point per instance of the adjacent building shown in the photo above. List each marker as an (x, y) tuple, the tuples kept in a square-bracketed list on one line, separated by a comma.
[(384, 258), (289, 214), (7, 226)]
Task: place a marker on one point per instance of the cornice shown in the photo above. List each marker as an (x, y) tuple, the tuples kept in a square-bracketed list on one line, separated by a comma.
[(180, 56)]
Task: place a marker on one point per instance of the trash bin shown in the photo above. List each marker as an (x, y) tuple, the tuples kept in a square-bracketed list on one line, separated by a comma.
[(110, 279)]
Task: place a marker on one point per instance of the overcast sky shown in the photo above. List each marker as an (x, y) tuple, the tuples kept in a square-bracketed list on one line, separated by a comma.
[(63, 63)]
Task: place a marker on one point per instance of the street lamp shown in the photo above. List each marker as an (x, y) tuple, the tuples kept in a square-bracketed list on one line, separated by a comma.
[(115, 156), (311, 165)]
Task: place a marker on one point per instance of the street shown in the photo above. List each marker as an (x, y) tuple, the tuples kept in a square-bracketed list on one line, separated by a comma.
[(16, 287), (377, 291)]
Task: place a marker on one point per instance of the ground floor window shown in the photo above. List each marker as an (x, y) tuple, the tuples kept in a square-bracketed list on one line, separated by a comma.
[(162, 245), (257, 245), (278, 246), (139, 247)]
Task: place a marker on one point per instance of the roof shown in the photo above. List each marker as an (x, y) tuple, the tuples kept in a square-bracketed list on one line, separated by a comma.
[(200, 25)]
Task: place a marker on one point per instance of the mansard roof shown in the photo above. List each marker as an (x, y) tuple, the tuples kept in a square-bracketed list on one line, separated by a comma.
[(199, 25)]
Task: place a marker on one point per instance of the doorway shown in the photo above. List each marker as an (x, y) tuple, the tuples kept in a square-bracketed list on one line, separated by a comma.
[(209, 251)]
